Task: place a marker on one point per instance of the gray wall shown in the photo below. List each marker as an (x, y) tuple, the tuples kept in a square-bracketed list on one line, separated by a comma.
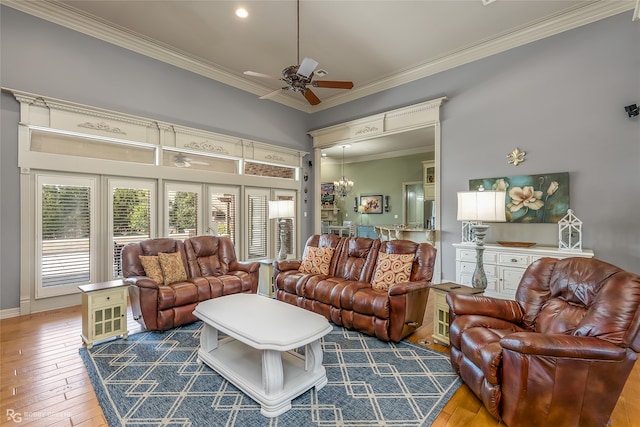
[(560, 99), (47, 59)]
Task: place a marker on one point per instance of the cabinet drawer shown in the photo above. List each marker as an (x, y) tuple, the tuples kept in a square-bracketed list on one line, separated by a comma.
[(107, 298), (470, 255), (467, 280), (514, 260), (470, 267)]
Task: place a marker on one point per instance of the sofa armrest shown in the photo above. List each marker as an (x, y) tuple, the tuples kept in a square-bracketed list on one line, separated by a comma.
[(286, 265), (246, 266), (561, 345), (461, 304), (407, 287), (407, 304), (141, 282)]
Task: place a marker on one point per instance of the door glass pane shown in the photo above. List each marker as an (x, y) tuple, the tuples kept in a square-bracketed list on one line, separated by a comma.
[(65, 233)]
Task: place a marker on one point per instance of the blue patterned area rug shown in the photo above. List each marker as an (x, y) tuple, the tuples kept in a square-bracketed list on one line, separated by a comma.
[(154, 378)]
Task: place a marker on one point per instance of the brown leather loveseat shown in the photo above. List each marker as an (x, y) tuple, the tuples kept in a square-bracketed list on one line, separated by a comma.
[(206, 268), (345, 293), (560, 354)]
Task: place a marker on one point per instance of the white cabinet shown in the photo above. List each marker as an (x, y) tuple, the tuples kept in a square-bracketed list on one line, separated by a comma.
[(441, 308), (429, 179), (504, 266), (104, 311)]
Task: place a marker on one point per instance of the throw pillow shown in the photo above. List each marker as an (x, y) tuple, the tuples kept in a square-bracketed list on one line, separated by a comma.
[(152, 268), (391, 269), (316, 260), (172, 268)]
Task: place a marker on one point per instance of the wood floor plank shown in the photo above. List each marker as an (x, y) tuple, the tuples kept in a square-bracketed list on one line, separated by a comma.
[(41, 372)]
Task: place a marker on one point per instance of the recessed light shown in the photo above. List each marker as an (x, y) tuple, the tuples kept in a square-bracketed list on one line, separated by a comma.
[(241, 12)]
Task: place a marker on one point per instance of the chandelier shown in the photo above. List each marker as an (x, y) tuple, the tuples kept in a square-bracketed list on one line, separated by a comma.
[(342, 187)]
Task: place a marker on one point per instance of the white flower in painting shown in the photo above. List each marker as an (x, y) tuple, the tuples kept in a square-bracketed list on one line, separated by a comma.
[(525, 197), (553, 187), (500, 185)]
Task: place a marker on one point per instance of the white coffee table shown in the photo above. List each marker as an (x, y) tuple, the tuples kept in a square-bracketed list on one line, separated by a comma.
[(256, 355)]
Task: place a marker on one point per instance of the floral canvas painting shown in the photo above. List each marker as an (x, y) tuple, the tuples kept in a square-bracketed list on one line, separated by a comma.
[(531, 198)]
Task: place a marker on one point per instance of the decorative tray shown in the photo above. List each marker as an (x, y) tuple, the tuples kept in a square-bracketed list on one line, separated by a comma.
[(517, 244)]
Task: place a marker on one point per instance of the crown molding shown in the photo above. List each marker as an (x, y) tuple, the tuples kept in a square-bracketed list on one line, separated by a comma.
[(568, 20), (61, 14)]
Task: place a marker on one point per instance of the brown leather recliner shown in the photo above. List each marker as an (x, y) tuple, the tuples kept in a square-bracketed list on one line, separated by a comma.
[(560, 354), (212, 271)]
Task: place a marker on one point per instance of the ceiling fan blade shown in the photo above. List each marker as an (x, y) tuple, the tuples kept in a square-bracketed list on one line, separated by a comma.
[(266, 76), (274, 93), (332, 84), (307, 66), (311, 97)]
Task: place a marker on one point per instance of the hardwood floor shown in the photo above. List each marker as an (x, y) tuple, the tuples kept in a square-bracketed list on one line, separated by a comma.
[(43, 379)]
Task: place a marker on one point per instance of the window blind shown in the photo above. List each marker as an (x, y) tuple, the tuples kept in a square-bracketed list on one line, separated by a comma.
[(223, 214), (183, 213), (258, 221), (130, 220), (65, 235)]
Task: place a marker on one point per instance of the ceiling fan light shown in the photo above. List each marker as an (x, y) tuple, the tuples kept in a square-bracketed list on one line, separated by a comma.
[(241, 12), (307, 66)]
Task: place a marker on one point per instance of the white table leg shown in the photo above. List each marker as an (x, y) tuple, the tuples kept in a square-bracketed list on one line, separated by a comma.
[(272, 373), (313, 361), (208, 338)]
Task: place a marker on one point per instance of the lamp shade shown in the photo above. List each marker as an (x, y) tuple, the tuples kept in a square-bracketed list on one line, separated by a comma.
[(481, 206), (281, 209)]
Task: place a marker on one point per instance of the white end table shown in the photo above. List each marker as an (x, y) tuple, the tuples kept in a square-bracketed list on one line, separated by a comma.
[(441, 308), (104, 311)]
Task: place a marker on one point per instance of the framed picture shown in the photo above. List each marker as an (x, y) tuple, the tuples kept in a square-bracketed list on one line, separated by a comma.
[(531, 198), (327, 194), (371, 204)]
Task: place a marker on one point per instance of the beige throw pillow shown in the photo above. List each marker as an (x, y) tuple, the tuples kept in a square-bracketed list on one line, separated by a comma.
[(152, 268), (391, 269), (316, 260), (172, 268)]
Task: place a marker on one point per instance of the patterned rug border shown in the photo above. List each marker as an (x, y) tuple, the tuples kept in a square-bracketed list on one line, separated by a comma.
[(108, 404)]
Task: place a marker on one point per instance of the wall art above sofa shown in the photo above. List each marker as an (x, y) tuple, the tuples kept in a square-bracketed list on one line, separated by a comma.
[(531, 198)]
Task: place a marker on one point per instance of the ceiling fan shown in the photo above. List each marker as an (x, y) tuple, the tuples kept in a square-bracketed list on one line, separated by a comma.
[(182, 161), (299, 77)]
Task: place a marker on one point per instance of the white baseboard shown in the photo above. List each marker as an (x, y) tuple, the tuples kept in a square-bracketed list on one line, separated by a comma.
[(9, 312)]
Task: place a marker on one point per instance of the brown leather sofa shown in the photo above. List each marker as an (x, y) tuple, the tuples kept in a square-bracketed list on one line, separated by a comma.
[(560, 354), (211, 268), (345, 295)]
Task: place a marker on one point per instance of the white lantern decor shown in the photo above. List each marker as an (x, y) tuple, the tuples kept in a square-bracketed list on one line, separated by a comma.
[(570, 233), (467, 232)]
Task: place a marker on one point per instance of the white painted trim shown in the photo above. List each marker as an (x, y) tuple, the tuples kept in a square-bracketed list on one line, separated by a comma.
[(636, 11), (583, 14), (9, 312)]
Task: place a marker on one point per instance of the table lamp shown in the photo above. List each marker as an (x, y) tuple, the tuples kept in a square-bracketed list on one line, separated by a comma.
[(481, 206), (281, 210)]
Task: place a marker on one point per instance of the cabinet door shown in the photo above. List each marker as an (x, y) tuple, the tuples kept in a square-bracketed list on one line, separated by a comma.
[(509, 280)]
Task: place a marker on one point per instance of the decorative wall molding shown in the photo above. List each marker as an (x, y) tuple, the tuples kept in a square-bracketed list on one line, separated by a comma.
[(102, 126), (387, 123), (54, 115)]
